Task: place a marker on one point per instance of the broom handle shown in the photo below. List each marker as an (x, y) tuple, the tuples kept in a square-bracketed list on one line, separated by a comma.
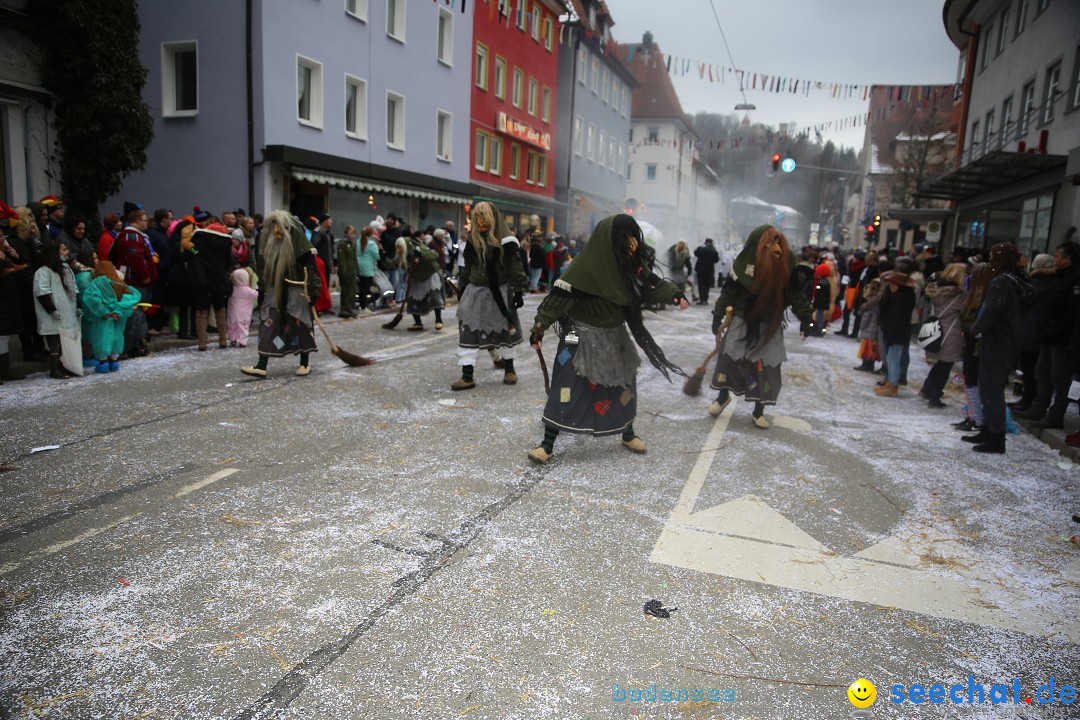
[(728, 312), (315, 315)]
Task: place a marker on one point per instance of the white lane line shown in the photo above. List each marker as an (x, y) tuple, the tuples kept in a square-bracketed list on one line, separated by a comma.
[(63, 545), (701, 468), (203, 483)]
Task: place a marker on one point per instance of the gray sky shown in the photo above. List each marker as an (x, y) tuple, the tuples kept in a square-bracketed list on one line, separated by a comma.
[(891, 42)]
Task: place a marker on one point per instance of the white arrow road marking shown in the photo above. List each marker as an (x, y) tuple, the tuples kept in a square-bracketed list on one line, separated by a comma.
[(748, 540)]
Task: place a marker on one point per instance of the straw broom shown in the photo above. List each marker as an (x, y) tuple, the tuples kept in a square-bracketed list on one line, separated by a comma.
[(401, 309), (692, 386)]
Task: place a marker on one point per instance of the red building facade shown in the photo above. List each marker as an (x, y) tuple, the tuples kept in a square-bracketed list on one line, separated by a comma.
[(515, 68)]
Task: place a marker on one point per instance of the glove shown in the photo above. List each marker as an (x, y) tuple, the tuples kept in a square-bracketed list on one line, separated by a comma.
[(716, 322), (535, 338), (519, 300)]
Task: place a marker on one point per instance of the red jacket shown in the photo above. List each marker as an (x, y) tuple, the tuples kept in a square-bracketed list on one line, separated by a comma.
[(132, 251)]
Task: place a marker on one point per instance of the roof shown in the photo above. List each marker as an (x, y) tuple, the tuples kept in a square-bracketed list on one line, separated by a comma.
[(992, 171), (655, 97)]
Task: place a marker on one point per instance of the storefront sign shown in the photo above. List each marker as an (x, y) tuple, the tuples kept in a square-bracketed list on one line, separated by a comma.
[(521, 131), (933, 232)]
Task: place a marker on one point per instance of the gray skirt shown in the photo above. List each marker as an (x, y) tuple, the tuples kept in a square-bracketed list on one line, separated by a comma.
[(751, 372), (578, 401), (480, 322), (289, 330), (426, 295)]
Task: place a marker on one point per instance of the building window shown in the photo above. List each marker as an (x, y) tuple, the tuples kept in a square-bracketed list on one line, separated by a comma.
[(395, 19), (1027, 107), (535, 21), (481, 160), (445, 47), (1041, 6), (987, 37), (1034, 232), (650, 172), (180, 79), (625, 102), (1006, 120), (974, 145), (1053, 79), (515, 161), (444, 135), (357, 8), (395, 120), (988, 141), (355, 107), (500, 77), (578, 123), (590, 137), (495, 155), (519, 78), (533, 89), (1021, 15), (549, 32), (654, 134), (309, 98), (530, 167), (1003, 30), (601, 148), (541, 171), (595, 75), (545, 105), (604, 86), (582, 66), (619, 164), (521, 15), (481, 66), (1076, 80), (615, 93), (611, 154)]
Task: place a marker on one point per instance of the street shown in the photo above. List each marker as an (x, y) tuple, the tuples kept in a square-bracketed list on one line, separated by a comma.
[(365, 543)]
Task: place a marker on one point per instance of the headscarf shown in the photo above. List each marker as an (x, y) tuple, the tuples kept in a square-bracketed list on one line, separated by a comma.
[(606, 269), (762, 307)]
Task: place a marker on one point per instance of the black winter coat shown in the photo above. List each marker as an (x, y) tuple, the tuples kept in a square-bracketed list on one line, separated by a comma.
[(1056, 323), (707, 257), (999, 324), (897, 303), (209, 262), (1043, 285)]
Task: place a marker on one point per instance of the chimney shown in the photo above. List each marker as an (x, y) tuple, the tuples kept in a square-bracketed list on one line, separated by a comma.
[(646, 41)]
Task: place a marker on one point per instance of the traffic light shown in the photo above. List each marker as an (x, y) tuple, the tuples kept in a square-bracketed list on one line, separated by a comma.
[(775, 162), (871, 235), (877, 221)]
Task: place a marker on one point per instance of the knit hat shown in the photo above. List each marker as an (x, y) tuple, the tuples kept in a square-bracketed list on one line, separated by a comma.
[(1043, 261), (130, 207), (199, 214)]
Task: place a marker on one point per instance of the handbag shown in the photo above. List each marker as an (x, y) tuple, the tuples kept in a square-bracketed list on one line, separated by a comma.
[(931, 337), (71, 354)]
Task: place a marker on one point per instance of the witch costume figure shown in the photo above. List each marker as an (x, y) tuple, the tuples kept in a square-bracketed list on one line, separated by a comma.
[(594, 381), (285, 316), (759, 289), (426, 291), (493, 280)]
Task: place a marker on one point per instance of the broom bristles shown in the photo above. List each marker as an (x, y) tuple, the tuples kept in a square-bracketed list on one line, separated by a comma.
[(692, 386), (350, 359), (393, 323)]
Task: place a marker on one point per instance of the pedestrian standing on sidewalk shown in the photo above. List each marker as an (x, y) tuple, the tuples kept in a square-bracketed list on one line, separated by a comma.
[(1000, 334), (209, 262), (347, 271), (869, 312), (1043, 279), (977, 281), (367, 261), (897, 304), (705, 269), (946, 295), (108, 303), (760, 286), (57, 304), (245, 291), (286, 324), (492, 282), (594, 378)]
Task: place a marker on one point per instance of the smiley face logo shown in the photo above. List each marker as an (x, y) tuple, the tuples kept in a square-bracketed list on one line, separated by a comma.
[(862, 693)]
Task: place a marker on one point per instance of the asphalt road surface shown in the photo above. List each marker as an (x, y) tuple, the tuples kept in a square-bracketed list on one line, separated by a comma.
[(365, 543)]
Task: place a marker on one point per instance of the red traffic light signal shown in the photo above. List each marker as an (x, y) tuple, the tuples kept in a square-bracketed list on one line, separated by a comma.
[(775, 162), (870, 229)]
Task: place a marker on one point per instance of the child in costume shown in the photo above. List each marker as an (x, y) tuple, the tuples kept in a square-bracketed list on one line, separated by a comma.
[(487, 314), (286, 326), (594, 381), (109, 302), (346, 272), (760, 287), (241, 303)]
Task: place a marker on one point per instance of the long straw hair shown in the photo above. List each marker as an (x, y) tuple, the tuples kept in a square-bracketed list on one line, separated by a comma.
[(491, 238), (771, 277), (278, 253)]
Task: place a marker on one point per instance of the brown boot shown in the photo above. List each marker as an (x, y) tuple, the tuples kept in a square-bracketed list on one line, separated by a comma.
[(201, 318), (887, 390), (222, 328)]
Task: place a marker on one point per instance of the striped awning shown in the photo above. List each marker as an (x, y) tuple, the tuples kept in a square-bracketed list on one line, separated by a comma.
[(374, 186)]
